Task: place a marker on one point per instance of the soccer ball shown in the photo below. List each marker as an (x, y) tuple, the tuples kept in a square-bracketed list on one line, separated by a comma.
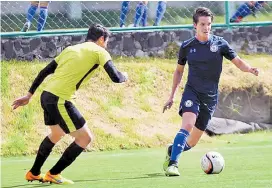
[(212, 163)]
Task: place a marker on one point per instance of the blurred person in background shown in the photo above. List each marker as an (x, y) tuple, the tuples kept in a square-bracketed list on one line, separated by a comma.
[(31, 13), (246, 9), (141, 13)]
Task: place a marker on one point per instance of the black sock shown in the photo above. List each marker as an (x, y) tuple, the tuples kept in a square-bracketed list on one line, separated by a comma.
[(69, 155), (44, 151)]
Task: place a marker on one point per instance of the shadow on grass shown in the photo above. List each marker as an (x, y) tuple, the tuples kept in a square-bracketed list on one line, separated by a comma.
[(28, 185), (153, 175), (145, 176)]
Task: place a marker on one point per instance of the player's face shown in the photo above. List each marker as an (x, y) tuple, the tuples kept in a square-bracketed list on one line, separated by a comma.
[(203, 27)]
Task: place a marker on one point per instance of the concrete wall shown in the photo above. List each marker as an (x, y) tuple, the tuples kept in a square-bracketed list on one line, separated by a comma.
[(250, 40)]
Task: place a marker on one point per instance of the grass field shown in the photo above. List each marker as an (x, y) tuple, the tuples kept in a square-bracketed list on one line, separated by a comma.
[(247, 157)]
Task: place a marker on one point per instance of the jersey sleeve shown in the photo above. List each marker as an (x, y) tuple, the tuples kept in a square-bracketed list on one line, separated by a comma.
[(227, 51), (182, 58), (103, 57)]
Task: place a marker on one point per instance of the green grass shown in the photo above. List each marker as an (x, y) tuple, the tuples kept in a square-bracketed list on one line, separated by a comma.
[(247, 158)]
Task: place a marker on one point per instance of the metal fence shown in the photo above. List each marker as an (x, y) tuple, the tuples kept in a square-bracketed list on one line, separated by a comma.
[(73, 15)]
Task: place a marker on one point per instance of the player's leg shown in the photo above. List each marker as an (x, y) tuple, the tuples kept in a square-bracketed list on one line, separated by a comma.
[(205, 114), (77, 127), (139, 12), (189, 108), (144, 17), (257, 6), (188, 121), (124, 12), (43, 15), (30, 14), (242, 11), (160, 12), (191, 141), (51, 118)]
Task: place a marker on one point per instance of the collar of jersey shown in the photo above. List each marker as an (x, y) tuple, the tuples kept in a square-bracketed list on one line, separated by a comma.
[(205, 42)]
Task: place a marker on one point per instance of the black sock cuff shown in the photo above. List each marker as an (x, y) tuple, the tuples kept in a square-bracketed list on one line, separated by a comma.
[(76, 148), (174, 163), (48, 142)]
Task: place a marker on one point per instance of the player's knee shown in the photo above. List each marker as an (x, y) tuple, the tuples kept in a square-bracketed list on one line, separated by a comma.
[(44, 3), (88, 137), (188, 126), (35, 3), (56, 136), (84, 137)]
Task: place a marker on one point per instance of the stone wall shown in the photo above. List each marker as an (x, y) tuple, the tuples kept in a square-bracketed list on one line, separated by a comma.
[(145, 44)]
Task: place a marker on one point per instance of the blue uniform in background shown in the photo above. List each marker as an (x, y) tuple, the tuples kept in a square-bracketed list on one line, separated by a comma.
[(204, 59)]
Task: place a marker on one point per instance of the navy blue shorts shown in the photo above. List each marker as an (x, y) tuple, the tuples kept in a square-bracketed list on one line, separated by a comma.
[(200, 104), (61, 112)]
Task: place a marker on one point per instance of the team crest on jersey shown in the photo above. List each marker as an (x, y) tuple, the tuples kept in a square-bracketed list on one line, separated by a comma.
[(214, 48), (188, 103)]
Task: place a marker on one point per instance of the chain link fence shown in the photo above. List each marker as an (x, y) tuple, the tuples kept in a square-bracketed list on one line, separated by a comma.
[(80, 14)]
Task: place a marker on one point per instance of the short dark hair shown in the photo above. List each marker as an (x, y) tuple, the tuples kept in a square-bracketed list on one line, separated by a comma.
[(96, 31), (202, 11)]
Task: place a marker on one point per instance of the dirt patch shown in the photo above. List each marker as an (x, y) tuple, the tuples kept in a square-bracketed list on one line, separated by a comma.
[(245, 105)]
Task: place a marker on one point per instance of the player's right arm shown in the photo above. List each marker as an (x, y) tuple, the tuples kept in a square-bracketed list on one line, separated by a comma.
[(106, 61), (177, 77), (114, 74), (49, 69)]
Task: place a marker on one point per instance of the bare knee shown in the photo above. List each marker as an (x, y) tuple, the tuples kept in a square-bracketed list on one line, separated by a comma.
[(35, 3), (187, 126), (56, 133), (83, 137), (44, 4), (84, 140), (56, 136)]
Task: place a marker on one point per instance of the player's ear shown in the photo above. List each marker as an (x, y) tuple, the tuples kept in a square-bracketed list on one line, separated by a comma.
[(101, 40), (194, 25)]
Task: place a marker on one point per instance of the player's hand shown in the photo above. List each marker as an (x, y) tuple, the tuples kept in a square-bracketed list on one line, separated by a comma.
[(22, 101), (168, 104), (254, 71), (125, 74)]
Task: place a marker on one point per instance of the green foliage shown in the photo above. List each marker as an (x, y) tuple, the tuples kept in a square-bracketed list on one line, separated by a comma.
[(171, 51)]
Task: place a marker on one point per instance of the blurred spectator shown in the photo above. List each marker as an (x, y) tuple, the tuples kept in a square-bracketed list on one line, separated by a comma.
[(246, 9), (141, 13), (31, 13)]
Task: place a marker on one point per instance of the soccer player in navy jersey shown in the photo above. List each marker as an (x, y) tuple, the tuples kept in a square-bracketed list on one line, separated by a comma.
[(204, 54)]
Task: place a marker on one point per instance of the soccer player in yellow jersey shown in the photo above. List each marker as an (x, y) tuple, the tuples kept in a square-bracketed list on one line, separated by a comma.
[(70, 69)]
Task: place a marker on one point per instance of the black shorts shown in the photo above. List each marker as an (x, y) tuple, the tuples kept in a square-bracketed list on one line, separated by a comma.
[(203, 106), (61, 112)]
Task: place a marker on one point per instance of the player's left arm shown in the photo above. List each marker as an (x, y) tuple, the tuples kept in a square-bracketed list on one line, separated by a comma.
[(231, 55), (49, 69), (243, 66)]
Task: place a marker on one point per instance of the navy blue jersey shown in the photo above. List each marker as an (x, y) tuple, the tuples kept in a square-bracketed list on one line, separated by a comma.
[(205, 62)]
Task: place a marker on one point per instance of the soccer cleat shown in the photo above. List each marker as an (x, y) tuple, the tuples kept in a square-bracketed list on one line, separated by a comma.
[(57, 179), (167, 157), (30, 177), (172, 171), (25, 27)]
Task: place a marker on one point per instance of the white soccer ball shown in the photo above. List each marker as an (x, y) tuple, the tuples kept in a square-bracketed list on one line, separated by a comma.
[(212, 163)]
